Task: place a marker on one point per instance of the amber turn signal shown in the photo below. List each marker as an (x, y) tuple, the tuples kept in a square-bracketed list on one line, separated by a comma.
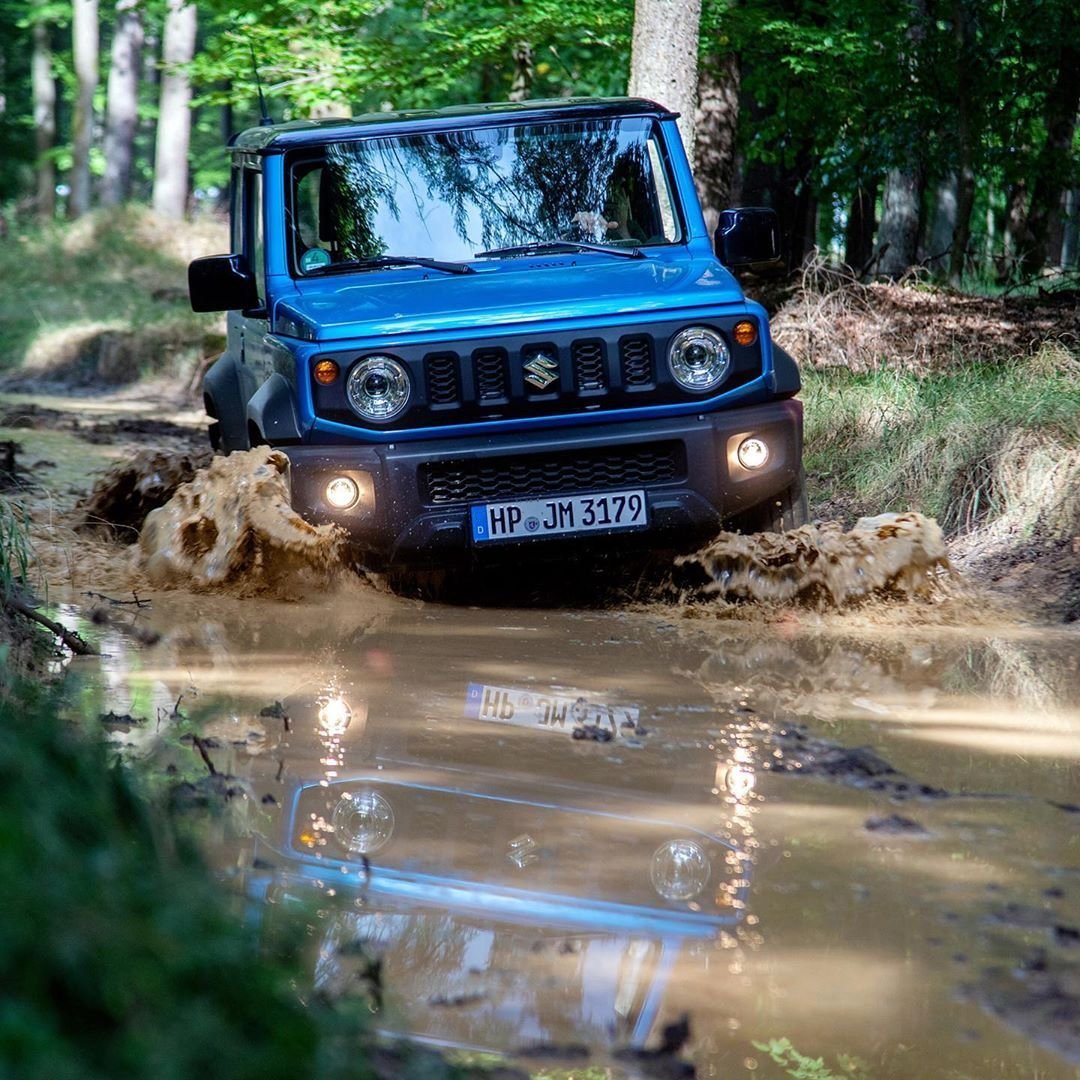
[(326, 371), (745, 333)]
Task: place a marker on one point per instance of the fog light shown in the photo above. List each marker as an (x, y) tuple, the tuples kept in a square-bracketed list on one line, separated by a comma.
[(342, 492), (753, 453), (680, 870)]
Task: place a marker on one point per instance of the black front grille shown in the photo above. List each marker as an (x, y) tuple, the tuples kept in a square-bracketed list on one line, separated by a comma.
[(636, 360), (492, 375), (443, 380), (590, 366), (564, 472)]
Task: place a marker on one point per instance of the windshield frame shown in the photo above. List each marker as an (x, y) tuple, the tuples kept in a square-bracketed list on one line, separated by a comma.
[(653, 134)]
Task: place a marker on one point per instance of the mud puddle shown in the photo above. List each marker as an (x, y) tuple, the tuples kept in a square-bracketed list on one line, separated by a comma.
[(406, 778)]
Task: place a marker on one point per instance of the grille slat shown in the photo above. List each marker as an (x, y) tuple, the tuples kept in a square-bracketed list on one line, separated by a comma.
[(443, 378), (636, 360), (536, 475), (492, 375), (590, 367)]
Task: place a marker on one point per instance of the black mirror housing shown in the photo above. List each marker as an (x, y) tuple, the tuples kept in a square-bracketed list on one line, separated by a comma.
[(748, 238), (222, 283)]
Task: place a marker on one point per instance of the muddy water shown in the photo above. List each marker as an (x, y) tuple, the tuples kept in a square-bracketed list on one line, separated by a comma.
[(567, 829)]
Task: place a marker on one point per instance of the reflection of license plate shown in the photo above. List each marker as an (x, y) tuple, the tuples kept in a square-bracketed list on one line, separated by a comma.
[(529, 708), (562, 514)]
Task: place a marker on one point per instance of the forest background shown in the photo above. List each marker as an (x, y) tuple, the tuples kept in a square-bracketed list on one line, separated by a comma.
[(887, 133)]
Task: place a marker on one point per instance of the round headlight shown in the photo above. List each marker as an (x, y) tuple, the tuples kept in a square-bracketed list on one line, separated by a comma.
[(699, 358), (363, 822), (378, 388), (680, 869)]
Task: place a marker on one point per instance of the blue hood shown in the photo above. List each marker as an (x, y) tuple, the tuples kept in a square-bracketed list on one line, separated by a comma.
[(518, 292)]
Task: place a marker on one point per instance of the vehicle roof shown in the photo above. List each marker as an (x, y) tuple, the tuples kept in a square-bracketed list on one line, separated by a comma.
[(275, 138)]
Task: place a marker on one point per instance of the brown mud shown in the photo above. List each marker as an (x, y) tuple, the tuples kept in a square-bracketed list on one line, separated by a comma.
[(232, 527)]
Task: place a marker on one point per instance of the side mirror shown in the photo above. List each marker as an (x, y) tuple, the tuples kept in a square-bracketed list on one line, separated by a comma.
[(222, 283), (749, 237)]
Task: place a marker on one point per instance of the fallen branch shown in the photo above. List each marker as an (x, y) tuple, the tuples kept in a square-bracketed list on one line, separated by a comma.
[(136, 602), (72, 640)]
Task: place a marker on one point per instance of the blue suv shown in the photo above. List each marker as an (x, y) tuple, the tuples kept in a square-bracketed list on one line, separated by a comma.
[(490, 329)]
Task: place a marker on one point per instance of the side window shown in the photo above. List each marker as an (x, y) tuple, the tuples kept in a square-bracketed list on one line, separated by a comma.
[(669, 225), (253, 217), (236, 204)]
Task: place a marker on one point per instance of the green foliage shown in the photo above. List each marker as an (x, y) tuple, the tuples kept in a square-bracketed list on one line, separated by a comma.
[(14, 546), (801, 1067), (359, 55)]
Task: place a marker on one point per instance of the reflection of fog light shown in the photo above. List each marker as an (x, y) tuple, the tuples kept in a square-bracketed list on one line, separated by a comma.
[(342, 492), (334, 716), (680, 870), (363, 822), (753, 453), (739, 781)]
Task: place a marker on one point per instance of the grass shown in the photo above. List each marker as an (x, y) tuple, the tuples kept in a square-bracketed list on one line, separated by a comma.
[(966, 445), (104, 299)]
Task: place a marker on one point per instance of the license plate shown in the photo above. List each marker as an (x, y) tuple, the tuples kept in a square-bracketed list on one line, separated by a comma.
[(558, 516), (556, 712)]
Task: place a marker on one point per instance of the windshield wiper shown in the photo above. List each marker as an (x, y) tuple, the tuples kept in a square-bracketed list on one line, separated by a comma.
[(377, 261), (541, 246)]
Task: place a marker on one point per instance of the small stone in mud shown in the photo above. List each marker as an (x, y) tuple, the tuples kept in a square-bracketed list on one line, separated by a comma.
[(1038, 998), (111, 721), (554, 1051), (456, 1001), (895, 825), (269, 800), (1067, 936), (592, 733), (274, 712)]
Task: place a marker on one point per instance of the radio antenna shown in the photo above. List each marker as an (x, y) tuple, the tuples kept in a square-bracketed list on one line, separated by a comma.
[(264, 112)]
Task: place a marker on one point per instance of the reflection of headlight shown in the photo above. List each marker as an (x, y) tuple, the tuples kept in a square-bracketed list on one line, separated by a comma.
[(680, 870), (740, 781), (363, 822), (334, 716)]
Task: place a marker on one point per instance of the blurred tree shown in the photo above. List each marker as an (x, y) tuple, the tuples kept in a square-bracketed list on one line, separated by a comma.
[(174, 113), (44, 106), (85, 39), (122, 102)]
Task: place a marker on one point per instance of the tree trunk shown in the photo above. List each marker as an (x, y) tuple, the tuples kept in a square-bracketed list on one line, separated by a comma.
[(44, 91), (122, 110), (859, 235), (1070, 233), (717, 122), (1061, 105), (964, 39), (900, 215), (664, 59), (84, 39), (174, 113), (521, 88), (938, 231)]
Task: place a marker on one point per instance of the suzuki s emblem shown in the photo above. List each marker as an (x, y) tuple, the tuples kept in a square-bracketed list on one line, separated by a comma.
[(541, 371)]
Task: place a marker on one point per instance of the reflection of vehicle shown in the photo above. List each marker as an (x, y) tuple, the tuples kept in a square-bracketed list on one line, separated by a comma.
[(475, 328), (540, 904)]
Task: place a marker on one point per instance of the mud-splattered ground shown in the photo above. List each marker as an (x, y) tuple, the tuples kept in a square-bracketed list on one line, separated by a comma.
[(554, 832)]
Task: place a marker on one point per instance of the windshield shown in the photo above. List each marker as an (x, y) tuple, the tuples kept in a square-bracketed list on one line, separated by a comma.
[(451, 195)]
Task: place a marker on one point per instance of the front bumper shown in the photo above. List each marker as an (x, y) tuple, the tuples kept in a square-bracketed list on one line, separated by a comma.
[(398, 521)]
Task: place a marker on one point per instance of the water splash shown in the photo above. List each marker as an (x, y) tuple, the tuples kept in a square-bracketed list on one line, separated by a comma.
[(820, 565), (232, 528)]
